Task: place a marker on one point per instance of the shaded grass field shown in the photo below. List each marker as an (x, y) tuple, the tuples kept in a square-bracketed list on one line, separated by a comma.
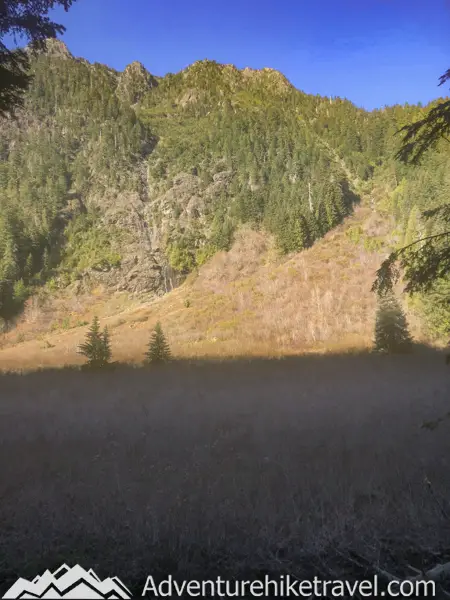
[(203, 468)]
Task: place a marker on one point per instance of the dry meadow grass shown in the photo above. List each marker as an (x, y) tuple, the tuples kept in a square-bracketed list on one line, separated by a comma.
[(222, 467), (247, 302)]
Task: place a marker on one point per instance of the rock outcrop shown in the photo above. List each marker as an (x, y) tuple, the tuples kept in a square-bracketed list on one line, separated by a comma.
[(134, 82)]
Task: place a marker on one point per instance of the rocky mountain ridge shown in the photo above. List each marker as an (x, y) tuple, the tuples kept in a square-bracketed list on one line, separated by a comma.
[(131, 181)]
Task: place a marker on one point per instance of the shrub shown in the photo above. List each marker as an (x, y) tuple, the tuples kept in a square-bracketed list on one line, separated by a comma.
[(65, 323), (20, 292), (97, 347), (203, 254), (81, 324), (3, 325), (181, 258), (158, 349)]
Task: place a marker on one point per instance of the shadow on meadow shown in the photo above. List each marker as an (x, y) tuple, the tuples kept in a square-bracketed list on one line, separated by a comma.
[(231, 468)]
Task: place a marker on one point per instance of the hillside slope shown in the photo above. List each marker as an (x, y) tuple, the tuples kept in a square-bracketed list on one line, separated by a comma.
[(116, 187), (131, 181), (250, 301)]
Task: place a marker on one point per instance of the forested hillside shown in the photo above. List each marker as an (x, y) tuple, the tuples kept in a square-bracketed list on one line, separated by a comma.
[(134, 181)]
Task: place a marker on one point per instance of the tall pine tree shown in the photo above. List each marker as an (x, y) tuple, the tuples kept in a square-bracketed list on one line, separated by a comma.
[(391, 328), (96, 348), (158, 349)]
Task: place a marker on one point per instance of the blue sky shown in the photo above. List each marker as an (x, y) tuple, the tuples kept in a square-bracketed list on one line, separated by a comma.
[(373, 52)]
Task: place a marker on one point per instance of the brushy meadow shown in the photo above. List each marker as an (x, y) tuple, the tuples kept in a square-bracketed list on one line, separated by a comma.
[(231, 468)]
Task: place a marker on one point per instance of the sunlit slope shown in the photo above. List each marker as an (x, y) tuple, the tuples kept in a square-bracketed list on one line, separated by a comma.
[(248, 301)]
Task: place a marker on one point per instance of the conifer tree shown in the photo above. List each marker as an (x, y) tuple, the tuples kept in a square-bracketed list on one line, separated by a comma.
[(158, 349), (106, 344), (45, 261), (412, 227), (334, 203), (28, 19), (391, 327), (10, 267), (96, 348), (28, 271), (20, 292)]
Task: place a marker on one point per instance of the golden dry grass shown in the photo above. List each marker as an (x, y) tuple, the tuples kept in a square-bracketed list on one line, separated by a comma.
[(247, 302)]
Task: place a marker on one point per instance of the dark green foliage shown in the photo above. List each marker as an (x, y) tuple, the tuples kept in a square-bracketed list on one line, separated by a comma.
[(89, 246), (83, 142), (419, 204), (426, 260), (181, 256), (436, 308), (425, 133), (391, 328), (20, 292), (270, 157), (29, 19), (14, 78), (97, 347), (106, 345), (158, 350)]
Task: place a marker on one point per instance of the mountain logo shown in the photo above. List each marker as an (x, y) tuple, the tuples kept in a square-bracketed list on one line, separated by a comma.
[(68, 582)]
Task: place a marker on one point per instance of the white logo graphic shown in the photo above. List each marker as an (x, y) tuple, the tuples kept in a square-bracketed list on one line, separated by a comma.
[(68, 582)]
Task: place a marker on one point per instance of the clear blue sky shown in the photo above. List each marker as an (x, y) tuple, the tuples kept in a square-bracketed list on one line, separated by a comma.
[(373, 52)]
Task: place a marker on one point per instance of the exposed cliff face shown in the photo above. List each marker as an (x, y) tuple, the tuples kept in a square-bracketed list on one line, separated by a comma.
[(228, 79), (275, 81), (56, 48), (148, 227)]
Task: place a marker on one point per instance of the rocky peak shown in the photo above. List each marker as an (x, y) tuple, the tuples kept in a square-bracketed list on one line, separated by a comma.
[(51, 46), (227, 76), (134, 82), (57, 47), (136, 69), (276, 80), (200, 69)]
